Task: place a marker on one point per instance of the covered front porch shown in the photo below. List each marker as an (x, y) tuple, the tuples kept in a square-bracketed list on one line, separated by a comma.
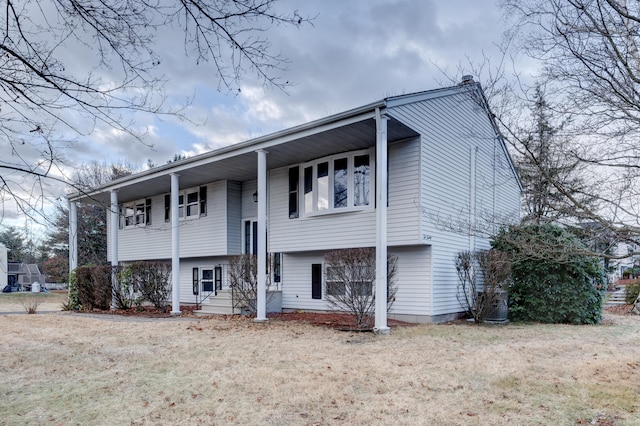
[(251, 161)]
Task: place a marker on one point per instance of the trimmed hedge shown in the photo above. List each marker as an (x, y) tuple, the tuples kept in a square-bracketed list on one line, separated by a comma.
[(137, 283)]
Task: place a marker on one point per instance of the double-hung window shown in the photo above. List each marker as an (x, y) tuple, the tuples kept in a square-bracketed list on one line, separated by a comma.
[(337, 183), (192, 203), (354, 281), (135, 213)]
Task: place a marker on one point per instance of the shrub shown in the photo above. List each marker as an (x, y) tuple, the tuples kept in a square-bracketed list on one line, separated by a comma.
[(481, 294), (138, 282), (73, 302), (243, 279), (631, 292), (102, 277), (84, 286), (152, 281), (93, 285), (554, 281), (31, 304), (124, 294), (350, 278)]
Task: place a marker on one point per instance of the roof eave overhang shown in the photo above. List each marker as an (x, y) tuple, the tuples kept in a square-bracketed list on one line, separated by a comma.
[(309, 129)]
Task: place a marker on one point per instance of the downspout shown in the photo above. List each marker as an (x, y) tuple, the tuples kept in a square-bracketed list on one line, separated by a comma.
[(175, 245), (380, 326), (261, 302), (472, 198)]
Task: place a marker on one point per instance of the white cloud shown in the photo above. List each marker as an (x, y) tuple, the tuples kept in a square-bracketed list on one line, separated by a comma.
[(355, 53)]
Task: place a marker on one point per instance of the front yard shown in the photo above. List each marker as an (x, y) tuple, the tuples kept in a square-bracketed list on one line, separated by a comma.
[(62, 368)]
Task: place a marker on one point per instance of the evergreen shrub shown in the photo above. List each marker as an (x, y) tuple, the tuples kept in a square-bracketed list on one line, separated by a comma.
[(554, 281)]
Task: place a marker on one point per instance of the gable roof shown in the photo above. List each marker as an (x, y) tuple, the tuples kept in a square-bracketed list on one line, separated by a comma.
[(346, 131)]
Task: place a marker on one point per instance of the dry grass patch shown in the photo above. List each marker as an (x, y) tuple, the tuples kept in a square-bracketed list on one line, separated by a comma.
[(75, 369), (40, 302)]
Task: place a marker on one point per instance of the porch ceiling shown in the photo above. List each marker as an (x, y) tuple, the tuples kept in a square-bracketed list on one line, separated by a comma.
[(242, 166)]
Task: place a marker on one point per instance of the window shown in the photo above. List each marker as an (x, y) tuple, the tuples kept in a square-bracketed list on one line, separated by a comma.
[(207, 280), (356, 280), (250, 235), (308, 189), (277, 267), (192, 203), (135, 213), (340, 182), (362, 180), (334, 288), (322, 184)]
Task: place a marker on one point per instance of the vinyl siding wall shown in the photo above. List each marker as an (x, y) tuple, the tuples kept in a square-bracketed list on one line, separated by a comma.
[(210, 235), (457, 140), (413, 273), (186, 275), (352, 228)]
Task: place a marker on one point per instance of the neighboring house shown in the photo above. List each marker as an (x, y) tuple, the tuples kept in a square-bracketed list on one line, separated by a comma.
[(420, 176), (21, 276), (4, 267)]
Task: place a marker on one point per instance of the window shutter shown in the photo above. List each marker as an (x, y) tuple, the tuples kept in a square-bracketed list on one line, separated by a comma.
[(316, 281), (294, 178), (203, 201), (147, 211), (167, 207)]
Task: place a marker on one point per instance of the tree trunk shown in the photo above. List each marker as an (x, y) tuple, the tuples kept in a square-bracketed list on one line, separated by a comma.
[(636, 306)]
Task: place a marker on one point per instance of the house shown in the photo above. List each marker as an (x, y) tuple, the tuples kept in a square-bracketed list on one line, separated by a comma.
[(421, 176), (21, 276), (4, 267)]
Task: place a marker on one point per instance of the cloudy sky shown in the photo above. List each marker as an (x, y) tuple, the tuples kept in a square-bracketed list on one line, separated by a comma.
[(355, 52)]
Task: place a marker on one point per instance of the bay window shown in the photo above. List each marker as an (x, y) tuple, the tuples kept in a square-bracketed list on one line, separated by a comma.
[(336, 183)]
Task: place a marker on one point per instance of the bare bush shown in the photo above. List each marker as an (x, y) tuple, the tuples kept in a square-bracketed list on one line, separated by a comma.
[(483, 278), (243, 278), (153, 281), (31, 304), (350, 282)]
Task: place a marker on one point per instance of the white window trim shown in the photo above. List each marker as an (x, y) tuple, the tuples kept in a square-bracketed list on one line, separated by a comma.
[(326, 281), (244, 233), (202, 280), (183, 207), (133, 205), (350, 182)]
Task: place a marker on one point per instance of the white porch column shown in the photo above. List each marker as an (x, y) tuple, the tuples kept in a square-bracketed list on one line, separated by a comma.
[(115, 218), (261, 303), (114, 214), (73, 236), (381, 224), (175, 245)]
